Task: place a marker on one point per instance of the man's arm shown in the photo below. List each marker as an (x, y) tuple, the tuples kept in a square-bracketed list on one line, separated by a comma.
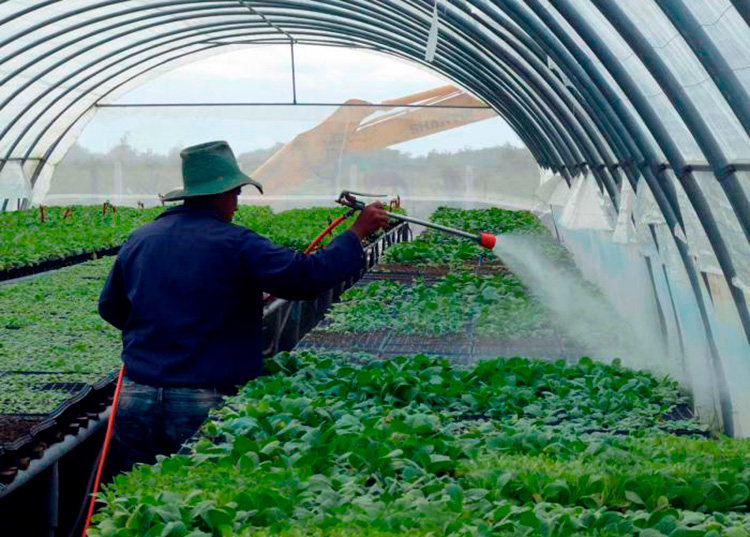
[(291, 275), (114, 306)]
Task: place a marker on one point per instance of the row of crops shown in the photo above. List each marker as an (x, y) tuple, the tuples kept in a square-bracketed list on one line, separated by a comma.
[(333, 443), (52, 340), (416, 446), (49, 233), (451, 291)]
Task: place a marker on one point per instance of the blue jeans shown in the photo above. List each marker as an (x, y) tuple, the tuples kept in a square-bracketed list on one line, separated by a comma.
[(154, 421)]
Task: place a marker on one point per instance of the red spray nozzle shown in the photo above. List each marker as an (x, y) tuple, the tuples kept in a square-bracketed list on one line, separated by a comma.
[(487, 240)]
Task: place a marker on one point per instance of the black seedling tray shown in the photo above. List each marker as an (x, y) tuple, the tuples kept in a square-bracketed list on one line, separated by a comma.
[(53, 264)]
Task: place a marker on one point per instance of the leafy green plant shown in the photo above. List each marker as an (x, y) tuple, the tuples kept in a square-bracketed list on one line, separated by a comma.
[(67, 231), (416, 446), (498, 305), (51, 323)]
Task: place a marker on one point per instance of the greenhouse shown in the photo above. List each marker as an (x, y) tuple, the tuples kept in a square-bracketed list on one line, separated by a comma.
[(488, 274)]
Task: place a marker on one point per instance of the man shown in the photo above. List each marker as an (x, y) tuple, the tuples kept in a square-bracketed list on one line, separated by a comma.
[(187, 292)]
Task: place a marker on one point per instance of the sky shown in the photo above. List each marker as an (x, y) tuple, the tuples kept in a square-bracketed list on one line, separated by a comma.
[(262, 74)]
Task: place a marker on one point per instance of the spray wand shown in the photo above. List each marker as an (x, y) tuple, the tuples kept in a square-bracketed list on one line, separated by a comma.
[(348, 199)]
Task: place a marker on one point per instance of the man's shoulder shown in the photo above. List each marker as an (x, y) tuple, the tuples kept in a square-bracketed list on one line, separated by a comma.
[(246, 234)]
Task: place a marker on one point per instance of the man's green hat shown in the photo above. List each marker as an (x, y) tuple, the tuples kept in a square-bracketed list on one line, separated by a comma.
[(207, 169)]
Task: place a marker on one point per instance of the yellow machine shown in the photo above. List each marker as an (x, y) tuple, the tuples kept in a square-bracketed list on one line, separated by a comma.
[(350, 129)]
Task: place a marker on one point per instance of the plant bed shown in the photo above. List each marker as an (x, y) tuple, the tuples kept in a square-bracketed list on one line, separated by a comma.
[(53, 264), (438, 271), (456, 346), (32, 237), (414, 446), (403, 277), (43, 239), (371, 342)]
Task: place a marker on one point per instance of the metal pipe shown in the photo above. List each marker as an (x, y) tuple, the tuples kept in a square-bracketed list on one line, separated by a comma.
[(53, 453), (444, 229)]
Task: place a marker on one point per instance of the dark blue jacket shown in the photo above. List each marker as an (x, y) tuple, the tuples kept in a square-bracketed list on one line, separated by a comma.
[(187, 292)]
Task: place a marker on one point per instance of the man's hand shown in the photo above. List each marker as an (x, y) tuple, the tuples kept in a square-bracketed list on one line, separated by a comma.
[(370, 219)]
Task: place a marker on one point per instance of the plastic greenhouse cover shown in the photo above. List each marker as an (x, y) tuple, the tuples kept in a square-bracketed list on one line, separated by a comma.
[(729, 227), (698, 245), (727, 30), (648, 86), (13, 183), (610, 82), (624, 232), (586, 207), (646, 211), (691, 75)]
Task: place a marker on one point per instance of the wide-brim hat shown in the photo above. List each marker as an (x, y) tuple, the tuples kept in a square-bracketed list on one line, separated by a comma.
[(207, 169)]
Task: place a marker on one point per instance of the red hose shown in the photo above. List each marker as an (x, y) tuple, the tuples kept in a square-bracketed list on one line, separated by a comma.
[(105, 448), (327, 230)]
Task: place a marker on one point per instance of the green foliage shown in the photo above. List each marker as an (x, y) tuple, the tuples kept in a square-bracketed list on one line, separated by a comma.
[(497, 305), (436, 248), (416, 446), (492, 220), (51, 324), (297, 228), (25, 240)]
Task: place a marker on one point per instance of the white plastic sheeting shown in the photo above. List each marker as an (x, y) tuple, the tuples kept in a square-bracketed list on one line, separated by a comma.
[(14, 185)]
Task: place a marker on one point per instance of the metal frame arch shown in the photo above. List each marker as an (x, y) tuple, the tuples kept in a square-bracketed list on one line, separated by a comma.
[(83, 70), (646, 155), (78, 26), (527, 26), (155, 14), (709, 56), (242, 13), (662, 137), (715, 156), (59, 139), (641, 106), (97, 59), (532, 64), (113, 2), (570, 58), (645, 160), (571, 114), (61, 16), (540, 82), (570, 155), (685, 107)]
